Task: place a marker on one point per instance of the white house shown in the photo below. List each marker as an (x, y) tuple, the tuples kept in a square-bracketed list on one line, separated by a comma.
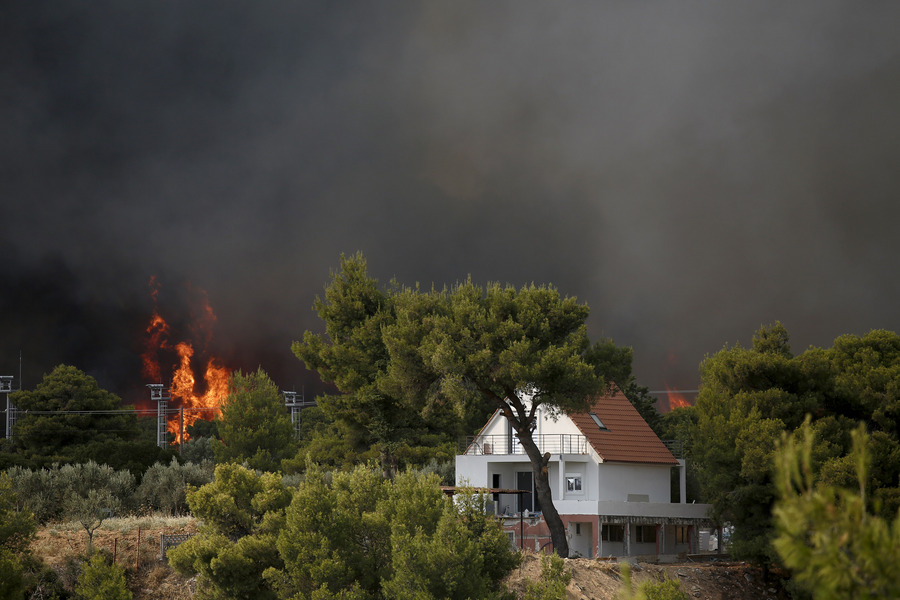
[(611, 479)]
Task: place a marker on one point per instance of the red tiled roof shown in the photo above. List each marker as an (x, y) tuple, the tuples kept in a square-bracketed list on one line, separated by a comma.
[(627, 438)]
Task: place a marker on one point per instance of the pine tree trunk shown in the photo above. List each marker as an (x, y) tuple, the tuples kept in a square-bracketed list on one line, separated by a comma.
[(539, 466)]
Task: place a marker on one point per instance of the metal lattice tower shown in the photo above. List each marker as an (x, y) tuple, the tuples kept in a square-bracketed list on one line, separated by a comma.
[(6, 388), (295, 403), (161, 395)]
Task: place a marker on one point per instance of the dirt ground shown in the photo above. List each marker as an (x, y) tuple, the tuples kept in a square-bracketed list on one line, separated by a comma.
[(150, 578), (601, 580)]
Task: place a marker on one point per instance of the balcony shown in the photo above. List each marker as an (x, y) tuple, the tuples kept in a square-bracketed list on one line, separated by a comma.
[(562, 443), (676, 447)]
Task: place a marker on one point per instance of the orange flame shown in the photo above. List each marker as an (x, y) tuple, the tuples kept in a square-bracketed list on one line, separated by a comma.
[(676, 399), (184, 389)]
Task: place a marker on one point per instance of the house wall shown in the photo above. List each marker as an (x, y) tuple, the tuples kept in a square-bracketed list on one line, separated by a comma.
[(549, 426), (472, 470), (616, 481), (497, 426), (479, 471)]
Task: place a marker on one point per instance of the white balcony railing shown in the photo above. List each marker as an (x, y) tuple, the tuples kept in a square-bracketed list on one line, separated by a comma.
[(561, 443)]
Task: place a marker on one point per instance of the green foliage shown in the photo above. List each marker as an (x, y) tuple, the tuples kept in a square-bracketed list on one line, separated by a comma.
[(554, 579), (41, 580), (87, 493), (335, 540), (365, 537), (202, 436), (102, 580), (93, 493), (199, 450), (516, 350), (369, 414), (12, 575), (750, 397), (17, 527), (43, 438), (667, 589), (445, 470), (40, 491), (16, 531), (238, 500), (836, 548), (241, 513), (464, 557), (164, 487), (255, 428), (201, 428), (416, 367)]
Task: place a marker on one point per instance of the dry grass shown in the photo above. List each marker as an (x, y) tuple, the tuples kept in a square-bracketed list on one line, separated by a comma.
[(126, 524), (149, 578), (119, 536)]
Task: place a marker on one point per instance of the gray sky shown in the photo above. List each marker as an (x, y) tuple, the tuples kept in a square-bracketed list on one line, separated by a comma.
[(690, 170)]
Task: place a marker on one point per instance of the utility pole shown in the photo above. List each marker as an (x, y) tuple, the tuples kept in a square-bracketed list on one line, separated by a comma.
[(6, 388), (161, 396), (295, 403)]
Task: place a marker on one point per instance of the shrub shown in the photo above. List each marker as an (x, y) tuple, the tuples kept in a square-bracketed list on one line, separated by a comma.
[(102, 580), (164, 487), (554, 579), (667, 589)]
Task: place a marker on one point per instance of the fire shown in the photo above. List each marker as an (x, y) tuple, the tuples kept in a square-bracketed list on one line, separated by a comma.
[(676, 399), (199, 401)]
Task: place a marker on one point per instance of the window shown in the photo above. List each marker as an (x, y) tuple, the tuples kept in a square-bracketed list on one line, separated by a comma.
[(599, 422), (645, 534), (612, 533), (573, 483)]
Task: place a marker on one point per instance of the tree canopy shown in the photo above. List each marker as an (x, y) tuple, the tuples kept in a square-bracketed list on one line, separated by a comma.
[(410, 361), (255, 427), (241, 513), (369, 416), (69, 418), (827, 535), (750, 396)]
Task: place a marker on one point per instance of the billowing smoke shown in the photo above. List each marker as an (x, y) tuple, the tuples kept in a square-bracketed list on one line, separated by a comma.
[(690, 170)]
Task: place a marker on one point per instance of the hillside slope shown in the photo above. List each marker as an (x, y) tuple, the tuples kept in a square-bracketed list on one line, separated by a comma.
[(150, 578)]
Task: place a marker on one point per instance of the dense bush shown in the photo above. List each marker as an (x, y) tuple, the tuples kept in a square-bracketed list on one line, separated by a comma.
[(242, 512), (16, 530), (164, 487), (87, 493), (353, 535)]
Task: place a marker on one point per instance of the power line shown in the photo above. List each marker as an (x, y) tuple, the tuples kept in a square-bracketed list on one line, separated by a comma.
[(138, 412)]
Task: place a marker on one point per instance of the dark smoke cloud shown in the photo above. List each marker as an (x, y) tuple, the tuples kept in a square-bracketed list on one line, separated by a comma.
[(690, 170)]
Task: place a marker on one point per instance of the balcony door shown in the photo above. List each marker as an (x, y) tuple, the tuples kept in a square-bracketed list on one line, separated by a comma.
[(525, 481)]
